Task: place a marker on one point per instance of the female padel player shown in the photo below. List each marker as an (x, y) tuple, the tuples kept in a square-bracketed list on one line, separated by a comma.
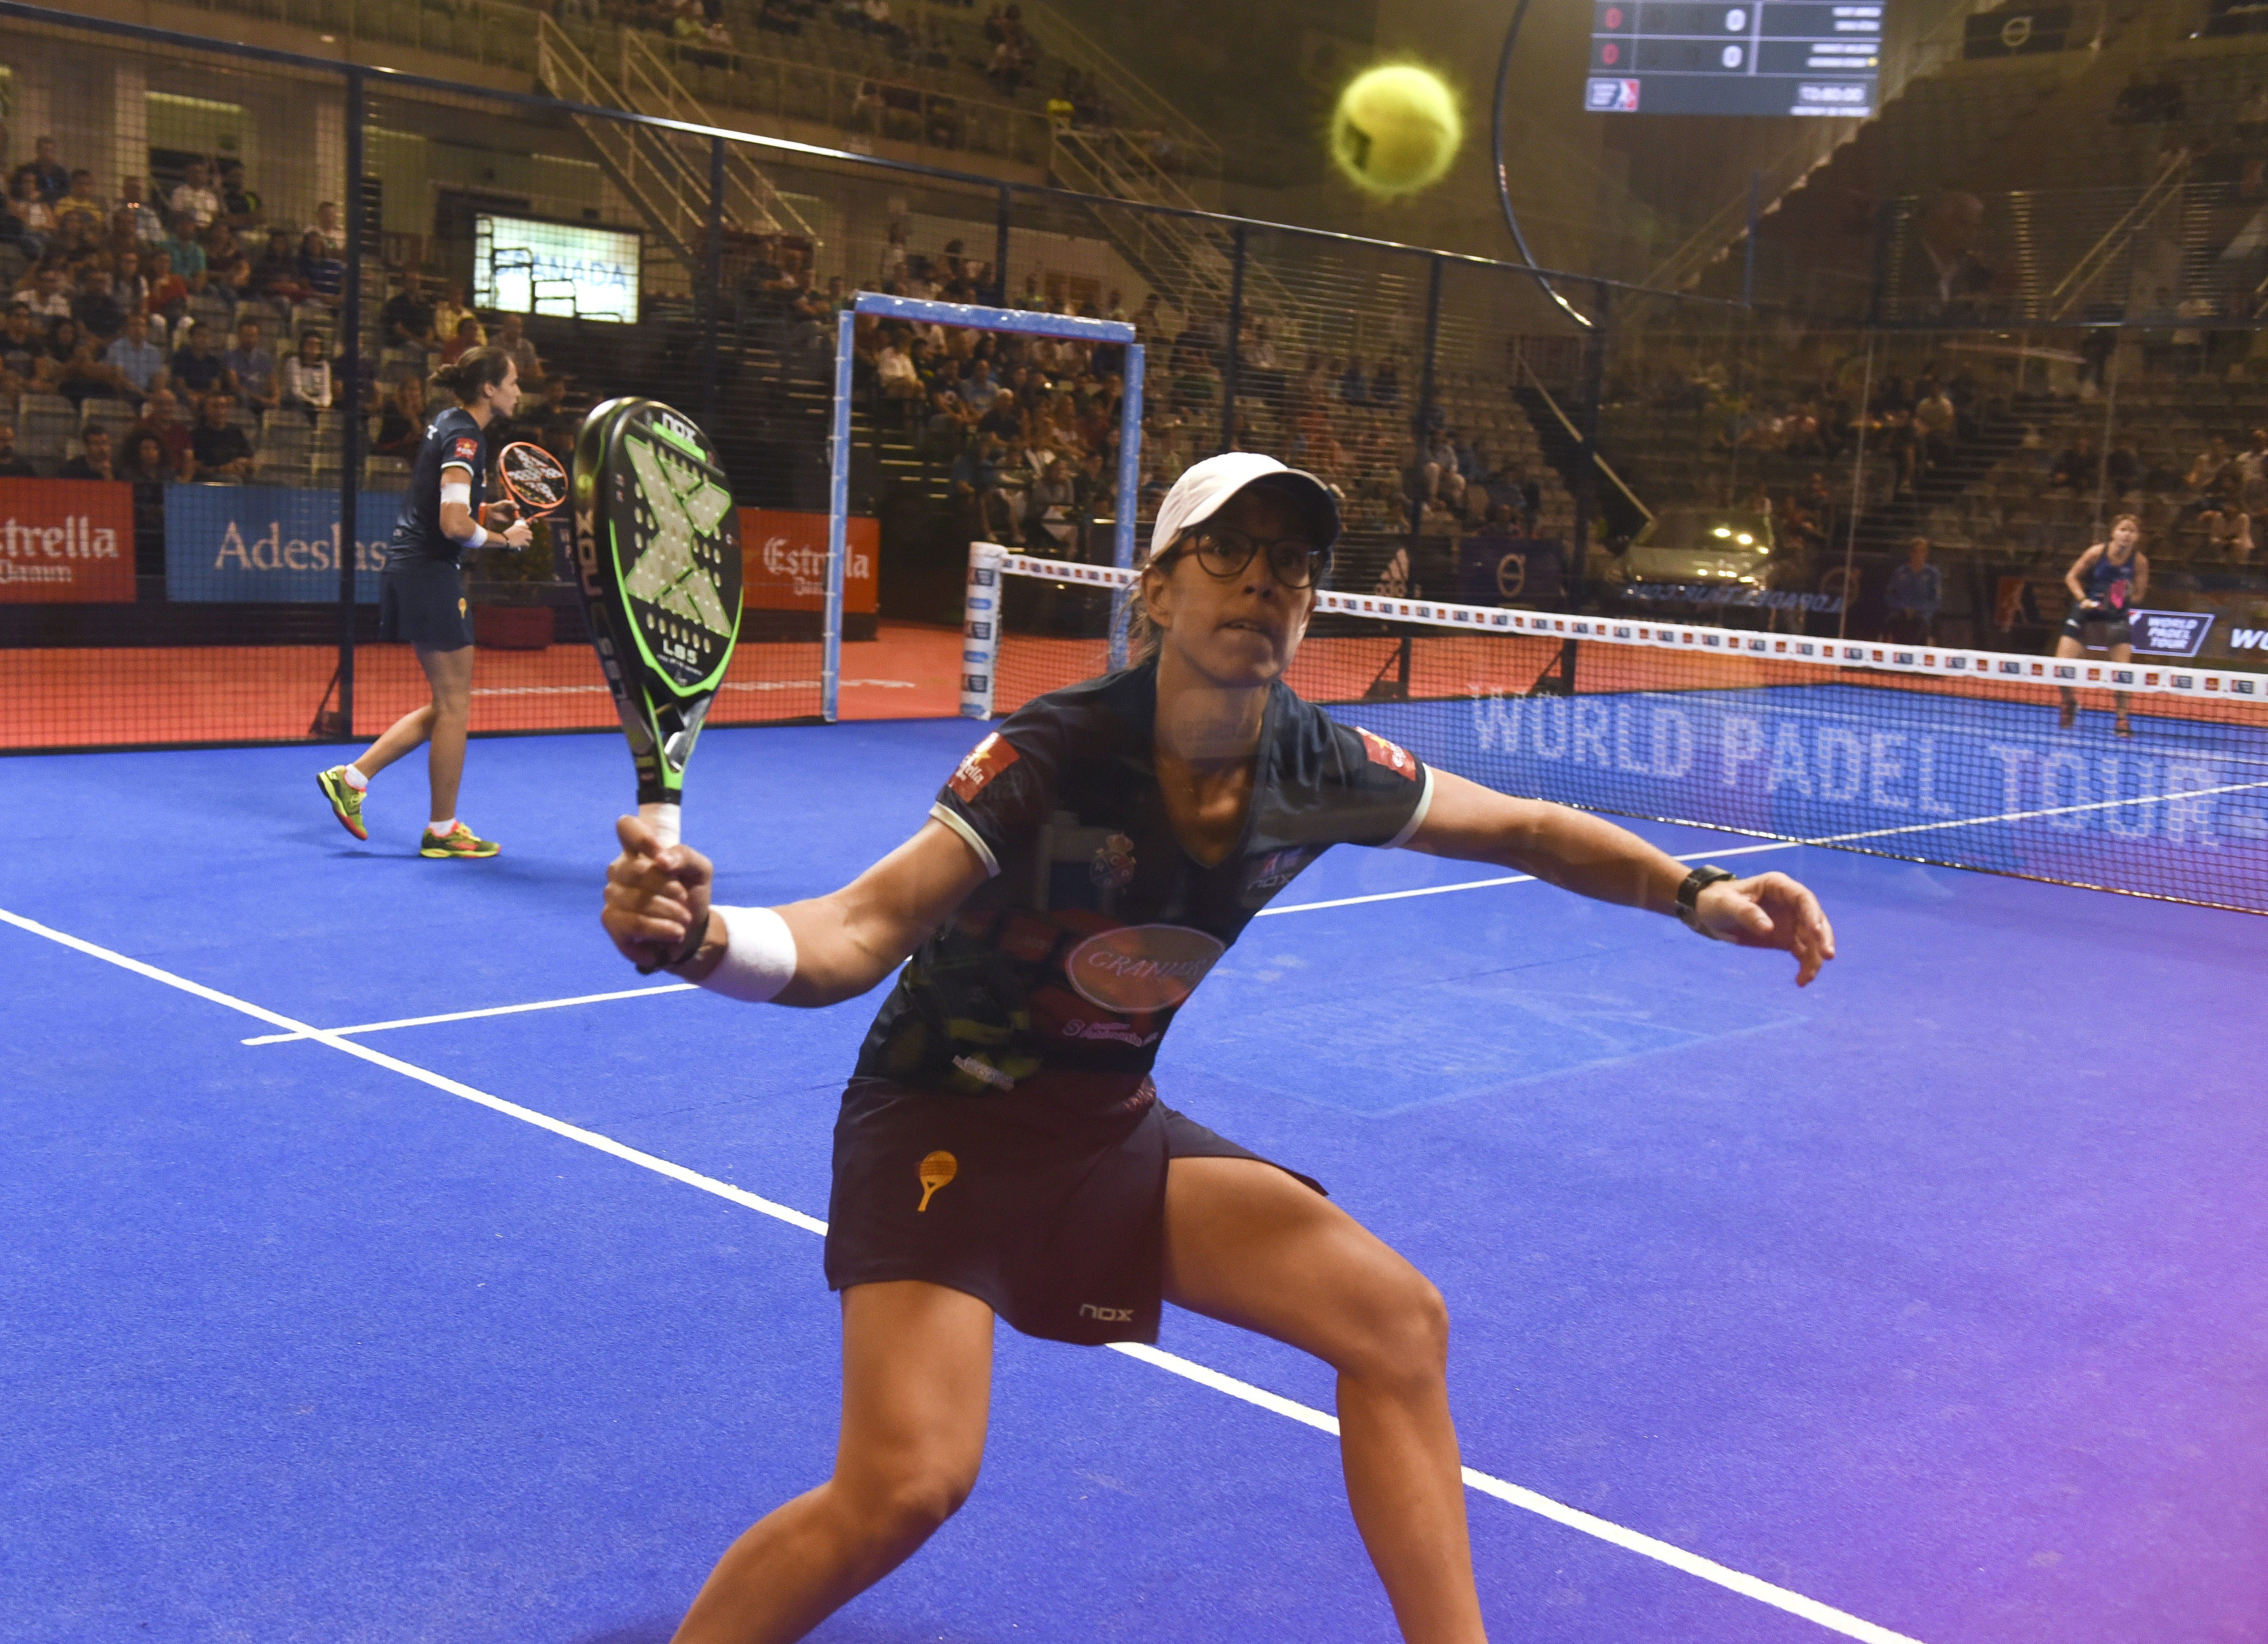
[(1001, 1149), (422, 599), (2104, 583)]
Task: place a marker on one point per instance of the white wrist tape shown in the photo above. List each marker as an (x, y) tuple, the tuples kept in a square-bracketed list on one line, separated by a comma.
[(759, 955), (460, 494), (478, 539)]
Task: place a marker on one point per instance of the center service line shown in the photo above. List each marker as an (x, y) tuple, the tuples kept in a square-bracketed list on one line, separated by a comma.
[(1692, 1564)]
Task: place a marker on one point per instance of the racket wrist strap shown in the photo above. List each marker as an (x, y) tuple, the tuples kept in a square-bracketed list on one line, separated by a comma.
[(759, 958)]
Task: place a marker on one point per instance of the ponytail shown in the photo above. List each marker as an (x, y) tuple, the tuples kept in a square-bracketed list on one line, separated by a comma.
[(475, 369)]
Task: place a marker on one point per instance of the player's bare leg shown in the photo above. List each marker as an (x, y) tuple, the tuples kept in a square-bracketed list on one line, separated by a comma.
[(917, 1393), (449, 673), (2067, 648), (1247, 1244)]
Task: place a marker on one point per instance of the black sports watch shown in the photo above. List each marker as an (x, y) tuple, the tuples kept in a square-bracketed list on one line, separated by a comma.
[(1688, 893)]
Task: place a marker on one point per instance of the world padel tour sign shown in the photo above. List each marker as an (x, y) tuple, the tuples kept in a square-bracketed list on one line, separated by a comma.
[(270, 544), (66, 541), (2170, 633)]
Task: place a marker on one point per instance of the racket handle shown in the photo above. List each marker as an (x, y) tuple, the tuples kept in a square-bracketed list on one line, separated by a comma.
[(663, 819)]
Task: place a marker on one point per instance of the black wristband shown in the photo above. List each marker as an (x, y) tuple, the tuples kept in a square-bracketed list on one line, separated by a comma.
[(1689, 892), (693, 947)]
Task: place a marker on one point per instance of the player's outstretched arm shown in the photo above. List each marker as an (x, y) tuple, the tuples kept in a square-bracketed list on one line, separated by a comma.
[(1594, 857), (844, 943)]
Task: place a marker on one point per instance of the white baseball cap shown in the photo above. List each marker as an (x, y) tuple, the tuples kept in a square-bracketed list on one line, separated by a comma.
[(1205, 487)]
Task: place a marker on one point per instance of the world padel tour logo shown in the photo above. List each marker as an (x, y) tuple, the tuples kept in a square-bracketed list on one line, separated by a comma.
[(1139, 967)]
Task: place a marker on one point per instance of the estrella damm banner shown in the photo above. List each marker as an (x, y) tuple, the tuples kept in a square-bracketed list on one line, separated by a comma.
[(270, 543), (67, 541)]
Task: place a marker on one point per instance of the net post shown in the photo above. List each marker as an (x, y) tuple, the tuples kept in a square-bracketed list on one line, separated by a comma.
[(838, 517), (350, 402), (979, 629), (1130, 496)]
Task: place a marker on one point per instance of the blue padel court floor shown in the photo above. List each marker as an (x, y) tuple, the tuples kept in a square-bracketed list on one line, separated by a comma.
[(1928, 1304)]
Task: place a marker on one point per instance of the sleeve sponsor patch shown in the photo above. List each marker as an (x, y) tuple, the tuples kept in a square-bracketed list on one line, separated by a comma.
[(986, 760), (1382, 752), (464, 448)]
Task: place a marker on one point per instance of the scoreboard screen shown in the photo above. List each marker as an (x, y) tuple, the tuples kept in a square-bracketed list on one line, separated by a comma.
[(1758, 57)]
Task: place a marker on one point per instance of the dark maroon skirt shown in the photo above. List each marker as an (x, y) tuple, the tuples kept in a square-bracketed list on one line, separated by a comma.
[(1047, 1202)]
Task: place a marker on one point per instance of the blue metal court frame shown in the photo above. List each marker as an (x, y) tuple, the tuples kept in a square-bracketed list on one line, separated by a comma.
[(970, 317)]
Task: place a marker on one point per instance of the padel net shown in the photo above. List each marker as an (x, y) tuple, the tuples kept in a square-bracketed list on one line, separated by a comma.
[(1935, 754)]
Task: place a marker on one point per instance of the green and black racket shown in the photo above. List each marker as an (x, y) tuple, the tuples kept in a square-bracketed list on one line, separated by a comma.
[(657, 542)]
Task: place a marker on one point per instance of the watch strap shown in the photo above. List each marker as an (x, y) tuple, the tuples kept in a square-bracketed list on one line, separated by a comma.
[(1689, 892)]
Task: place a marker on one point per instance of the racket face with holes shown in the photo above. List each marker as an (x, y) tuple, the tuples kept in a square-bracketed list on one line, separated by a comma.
[(533, 477), (657, 542)]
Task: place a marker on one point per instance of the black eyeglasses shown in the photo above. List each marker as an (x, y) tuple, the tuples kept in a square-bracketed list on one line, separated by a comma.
[(1224, 553)]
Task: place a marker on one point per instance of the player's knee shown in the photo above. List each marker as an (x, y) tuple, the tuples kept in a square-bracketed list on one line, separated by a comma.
[(1408, 1335), (906, 1504)]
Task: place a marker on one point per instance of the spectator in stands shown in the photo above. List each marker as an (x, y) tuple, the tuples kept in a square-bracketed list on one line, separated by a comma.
[(976, 489), (978, 390), (82, 195), (161, 421), (221, 451), (146, 464), (96, 308), (277, 275), (1933, 425), (232, 279), (1003, 419), (240, 206), (780, 17), (322, 276), (402, 425), (2209, 471), (512, 337), (21, 350), (1951, 230), (408, 316), (140, 362), (146, 226), (80, 373), (1052, 508), (196, 369), (451, 312), (894, 375), (194, 197), (331, 226), (94, 461), (304, 382), (2077, 467), (250, 368), (45, 296), (45, 171), (1916, 592), (127, 283), (466, 338), (168, 297), (1353, 386), (182, 251), (2228, 536), (29, 210), (11, 466)]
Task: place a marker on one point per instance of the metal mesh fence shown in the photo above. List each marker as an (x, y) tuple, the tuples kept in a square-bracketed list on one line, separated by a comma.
[(1488, 449)]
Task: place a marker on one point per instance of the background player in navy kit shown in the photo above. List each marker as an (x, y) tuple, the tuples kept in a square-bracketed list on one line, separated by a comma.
[(422, 599), (2105, 582), (1002, 1151)]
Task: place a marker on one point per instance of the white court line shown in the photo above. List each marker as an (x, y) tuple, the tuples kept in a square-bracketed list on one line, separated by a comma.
[(1511, 879), (1692, 1564), (469, 1015)]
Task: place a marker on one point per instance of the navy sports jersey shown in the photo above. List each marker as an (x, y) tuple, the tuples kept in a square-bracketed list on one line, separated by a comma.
[(453, 440), (2108, 583), (1095, 925)]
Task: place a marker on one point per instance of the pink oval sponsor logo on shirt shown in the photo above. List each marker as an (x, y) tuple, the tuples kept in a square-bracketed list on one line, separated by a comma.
[(1142, 967)]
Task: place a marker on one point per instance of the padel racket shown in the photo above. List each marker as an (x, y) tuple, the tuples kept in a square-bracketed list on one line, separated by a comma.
[(533, 478), (658, 543)]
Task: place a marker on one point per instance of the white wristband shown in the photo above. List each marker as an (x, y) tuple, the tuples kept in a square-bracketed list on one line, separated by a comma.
[(478, 539), (759, 955)]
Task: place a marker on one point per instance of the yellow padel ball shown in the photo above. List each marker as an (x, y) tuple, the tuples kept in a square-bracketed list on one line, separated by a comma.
[(1396, 129)]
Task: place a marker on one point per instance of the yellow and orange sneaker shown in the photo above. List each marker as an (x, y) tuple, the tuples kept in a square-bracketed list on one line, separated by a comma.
[(458, 841), (346, 801)]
